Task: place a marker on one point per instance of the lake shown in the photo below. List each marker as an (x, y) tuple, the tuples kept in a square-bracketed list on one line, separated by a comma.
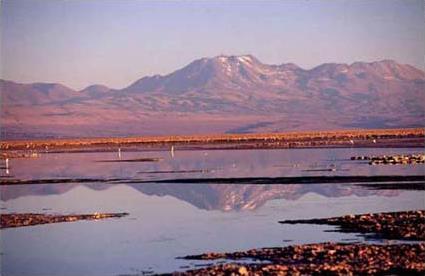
[(170, 220)]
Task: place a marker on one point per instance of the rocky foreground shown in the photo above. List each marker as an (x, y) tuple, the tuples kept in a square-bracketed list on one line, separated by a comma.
[(325, 258), (335, 258), (408, 225), (29, 219)]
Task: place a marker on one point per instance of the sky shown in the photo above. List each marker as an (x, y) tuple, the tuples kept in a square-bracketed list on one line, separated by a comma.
[(115, 42)]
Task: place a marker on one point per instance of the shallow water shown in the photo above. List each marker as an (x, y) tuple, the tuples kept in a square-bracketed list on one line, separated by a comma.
[(171, 220)]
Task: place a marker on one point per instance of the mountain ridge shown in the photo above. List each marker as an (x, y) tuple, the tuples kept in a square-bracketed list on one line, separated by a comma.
[(290, 64), (241, 92)]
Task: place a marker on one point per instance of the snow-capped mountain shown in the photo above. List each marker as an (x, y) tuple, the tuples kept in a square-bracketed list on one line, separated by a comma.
[(223, 94)]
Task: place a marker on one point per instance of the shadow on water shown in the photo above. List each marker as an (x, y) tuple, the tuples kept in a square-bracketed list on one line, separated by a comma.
[(131, 160)]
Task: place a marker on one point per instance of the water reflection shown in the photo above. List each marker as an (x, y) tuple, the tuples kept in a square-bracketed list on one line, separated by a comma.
[(161, 227), (211, 163), (208, 164), (224, 197), (171, 220)]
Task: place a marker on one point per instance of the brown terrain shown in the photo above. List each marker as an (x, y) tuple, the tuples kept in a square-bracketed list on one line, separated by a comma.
[(342, 138)]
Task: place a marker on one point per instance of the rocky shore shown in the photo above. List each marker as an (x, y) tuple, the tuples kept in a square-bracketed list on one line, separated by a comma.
[(335, 258), (408, 225), (29, 219), (320, 259), (393, 159)]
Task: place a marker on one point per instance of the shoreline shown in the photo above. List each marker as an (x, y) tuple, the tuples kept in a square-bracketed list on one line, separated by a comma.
[(14, 220), (334, 258), (414, 137), (407, 225), (319, 259)]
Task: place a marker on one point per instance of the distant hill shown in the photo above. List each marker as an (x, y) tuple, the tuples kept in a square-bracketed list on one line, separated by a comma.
[(222, 94)]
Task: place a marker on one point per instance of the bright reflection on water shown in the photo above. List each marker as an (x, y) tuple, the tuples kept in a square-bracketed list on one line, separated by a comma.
[(171, 220)]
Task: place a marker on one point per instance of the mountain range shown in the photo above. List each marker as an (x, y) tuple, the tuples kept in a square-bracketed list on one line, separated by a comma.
[(223, 94)]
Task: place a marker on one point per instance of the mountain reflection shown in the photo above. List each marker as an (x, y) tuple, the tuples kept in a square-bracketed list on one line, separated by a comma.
[(201, 164), (228, 197), (224, 197)]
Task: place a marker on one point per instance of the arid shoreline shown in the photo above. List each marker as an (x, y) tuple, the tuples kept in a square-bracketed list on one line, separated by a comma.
[(14, 220), (320, 259), (408, 225), (335, 258), (414, 137)]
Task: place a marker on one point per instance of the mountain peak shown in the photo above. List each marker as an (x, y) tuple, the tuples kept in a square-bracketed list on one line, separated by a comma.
[(390, 69), (95, 90), (386, 61), (95, 87), (49, 87), (230, 72), (244, 59)]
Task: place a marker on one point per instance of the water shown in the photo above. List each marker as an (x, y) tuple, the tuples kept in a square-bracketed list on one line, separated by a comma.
[(171, 220)]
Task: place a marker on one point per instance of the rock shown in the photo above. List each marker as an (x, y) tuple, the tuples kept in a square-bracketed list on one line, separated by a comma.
[(242, 271)]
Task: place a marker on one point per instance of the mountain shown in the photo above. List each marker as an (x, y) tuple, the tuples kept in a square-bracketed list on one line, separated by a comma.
[(223, 94), (15, 94), (95, 90)]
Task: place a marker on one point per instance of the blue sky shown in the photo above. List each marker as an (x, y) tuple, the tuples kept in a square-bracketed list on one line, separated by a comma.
[(115, 42)]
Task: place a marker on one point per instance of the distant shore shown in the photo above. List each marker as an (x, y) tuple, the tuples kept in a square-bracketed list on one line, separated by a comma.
[(412, 137)]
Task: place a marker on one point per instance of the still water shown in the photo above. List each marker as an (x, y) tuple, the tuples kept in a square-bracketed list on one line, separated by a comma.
[(171, 220)]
